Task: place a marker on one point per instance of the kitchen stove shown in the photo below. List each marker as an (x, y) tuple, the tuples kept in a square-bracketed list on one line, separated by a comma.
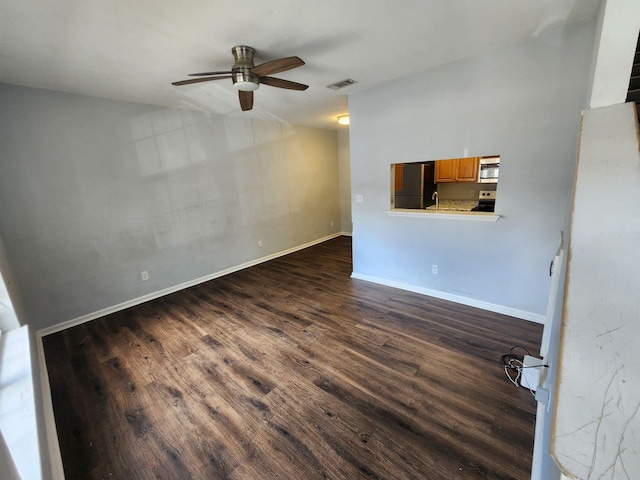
[(486, 201)]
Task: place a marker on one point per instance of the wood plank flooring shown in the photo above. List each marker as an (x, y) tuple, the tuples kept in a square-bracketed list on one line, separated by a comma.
[(292, 370)]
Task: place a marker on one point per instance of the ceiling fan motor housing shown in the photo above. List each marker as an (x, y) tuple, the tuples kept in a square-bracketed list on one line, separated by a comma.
[(243, 79)]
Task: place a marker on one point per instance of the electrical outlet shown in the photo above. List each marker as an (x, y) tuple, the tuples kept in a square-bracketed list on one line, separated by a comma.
[(472, 193), (359, 199), (144, 275), (434, 269), (332, 223), (260, 243)]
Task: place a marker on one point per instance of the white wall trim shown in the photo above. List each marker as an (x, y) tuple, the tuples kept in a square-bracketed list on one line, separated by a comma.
[(161, 293), (472, 302), (51, 432)]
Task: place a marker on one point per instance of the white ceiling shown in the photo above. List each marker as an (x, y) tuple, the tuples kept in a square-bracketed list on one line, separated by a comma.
[(132, 50)]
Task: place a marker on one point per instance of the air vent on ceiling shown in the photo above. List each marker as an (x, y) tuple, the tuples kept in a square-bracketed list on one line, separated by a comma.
[(341, 84)]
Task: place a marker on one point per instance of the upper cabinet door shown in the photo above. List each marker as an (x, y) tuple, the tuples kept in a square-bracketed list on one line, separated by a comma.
[(468, 169), (457, 170), (446, 170)]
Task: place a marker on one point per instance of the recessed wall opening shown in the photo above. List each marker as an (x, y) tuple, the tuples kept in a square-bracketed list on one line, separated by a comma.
[(454, 184)]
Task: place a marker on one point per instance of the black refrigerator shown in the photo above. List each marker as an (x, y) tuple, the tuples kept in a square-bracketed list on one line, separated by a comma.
[(416, 187)]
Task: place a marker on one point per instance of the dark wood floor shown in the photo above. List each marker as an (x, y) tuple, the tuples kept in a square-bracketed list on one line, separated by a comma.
[(292, 370)]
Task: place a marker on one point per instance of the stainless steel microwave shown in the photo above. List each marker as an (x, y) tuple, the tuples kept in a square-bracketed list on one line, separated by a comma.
[(489, 170)]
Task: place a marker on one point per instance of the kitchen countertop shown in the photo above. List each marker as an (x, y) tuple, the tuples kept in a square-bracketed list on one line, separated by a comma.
[(454, 205)]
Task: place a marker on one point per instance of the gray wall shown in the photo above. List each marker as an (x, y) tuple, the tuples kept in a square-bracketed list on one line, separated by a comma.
[(521, 102), (94, 192)]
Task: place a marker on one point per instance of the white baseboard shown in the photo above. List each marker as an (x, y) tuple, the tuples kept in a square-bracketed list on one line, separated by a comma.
[(161, 293), (472, 302)]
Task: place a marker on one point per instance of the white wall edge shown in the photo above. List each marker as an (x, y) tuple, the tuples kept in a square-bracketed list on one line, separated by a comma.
[(51, 432), (491, 307), (161, 293)]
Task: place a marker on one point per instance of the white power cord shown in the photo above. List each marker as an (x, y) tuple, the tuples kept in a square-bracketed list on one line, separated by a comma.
[(518, 368)]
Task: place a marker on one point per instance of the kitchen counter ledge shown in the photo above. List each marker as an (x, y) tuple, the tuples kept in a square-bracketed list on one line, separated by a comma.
[(444, 215)]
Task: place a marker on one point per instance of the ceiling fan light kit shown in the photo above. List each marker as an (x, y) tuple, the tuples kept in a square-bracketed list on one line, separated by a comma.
[(247, 77), (245, 85)]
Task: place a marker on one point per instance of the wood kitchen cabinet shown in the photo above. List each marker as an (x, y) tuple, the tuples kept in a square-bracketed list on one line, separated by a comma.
[(457, 170)]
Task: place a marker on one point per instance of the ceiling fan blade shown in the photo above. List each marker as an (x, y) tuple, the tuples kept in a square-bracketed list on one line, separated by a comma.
[(280, 83), (226, 72), (246, 100), (276, 66), (198, 80)]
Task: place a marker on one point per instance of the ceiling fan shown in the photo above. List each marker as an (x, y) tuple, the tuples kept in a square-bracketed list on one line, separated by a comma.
[(247, 77)]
